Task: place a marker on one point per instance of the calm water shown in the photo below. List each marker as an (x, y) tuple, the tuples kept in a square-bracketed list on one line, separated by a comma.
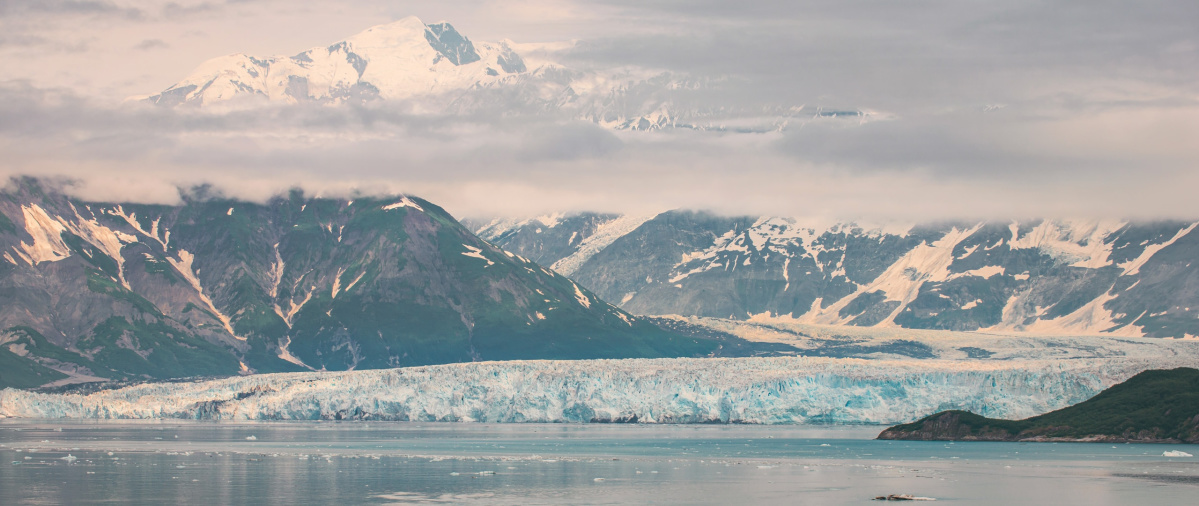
[(415, 463)]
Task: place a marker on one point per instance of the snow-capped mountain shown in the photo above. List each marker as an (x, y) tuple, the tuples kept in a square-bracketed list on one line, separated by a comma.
[(1040, 276), (400, 60), (218, 287), (433, 69)]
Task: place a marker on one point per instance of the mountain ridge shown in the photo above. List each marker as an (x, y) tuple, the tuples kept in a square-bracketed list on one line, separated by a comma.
[(1034, 276), (215, 286)]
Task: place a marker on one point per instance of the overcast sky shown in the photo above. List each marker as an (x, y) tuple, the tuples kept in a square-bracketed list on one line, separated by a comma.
[(985, 108)]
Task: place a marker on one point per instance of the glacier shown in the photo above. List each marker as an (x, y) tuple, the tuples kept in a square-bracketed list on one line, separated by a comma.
[(758, 390)]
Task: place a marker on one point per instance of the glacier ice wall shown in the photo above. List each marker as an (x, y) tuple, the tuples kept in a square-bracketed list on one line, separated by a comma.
[(761, 390), (738, 390)]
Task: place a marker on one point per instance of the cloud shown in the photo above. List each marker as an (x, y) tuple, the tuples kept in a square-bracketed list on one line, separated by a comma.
[(487, 165), (149, 44), (80, 7), (572, 140), (178, 10)]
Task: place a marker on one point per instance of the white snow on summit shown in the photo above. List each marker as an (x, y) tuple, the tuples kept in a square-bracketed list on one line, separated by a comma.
[(394, 61), (433, 69)]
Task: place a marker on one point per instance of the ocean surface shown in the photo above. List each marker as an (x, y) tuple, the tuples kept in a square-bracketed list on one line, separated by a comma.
[(173, 462)]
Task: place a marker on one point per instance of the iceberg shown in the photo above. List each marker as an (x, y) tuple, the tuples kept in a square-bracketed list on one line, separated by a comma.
[(759, 390)]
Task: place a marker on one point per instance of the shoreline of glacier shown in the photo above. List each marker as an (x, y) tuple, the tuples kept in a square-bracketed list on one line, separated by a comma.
[(767, 390)]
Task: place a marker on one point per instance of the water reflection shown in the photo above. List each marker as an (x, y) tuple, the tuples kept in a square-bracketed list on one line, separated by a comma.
[(404, 463)]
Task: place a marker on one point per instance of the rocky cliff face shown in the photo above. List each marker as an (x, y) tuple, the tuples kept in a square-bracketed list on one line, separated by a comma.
[(1040, 276), (217, 287)]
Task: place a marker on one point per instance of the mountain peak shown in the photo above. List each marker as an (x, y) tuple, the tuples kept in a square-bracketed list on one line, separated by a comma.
[(451, 44), (399, 33)]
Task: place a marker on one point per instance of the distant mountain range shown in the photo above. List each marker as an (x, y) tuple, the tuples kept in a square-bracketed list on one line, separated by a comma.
[(433, 69), (215, 287), (220, 287), (1038, 276)]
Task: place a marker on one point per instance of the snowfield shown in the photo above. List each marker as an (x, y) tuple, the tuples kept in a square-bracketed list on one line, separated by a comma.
[(774, 390)]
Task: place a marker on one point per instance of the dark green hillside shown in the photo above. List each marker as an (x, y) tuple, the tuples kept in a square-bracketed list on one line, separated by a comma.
[(1153, 406)]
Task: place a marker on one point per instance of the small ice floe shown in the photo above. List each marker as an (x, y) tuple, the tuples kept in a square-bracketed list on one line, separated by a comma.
[(251, 438), (485, 473), (597, 480), (825, 444), (455, 473), (70, 458), (1176, 453), (902, 497)]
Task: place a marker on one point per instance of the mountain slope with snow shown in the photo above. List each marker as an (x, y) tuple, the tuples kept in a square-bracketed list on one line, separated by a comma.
[(217, 287), (1038, 276)]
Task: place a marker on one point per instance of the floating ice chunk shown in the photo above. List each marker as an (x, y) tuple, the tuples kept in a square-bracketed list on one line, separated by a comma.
[(72, 458), (1176, 453), (251, 438)]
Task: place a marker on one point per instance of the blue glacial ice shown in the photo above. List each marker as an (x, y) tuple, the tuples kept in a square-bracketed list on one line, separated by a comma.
[(735, 390)]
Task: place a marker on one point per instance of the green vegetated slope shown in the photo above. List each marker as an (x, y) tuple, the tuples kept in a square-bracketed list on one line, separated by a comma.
[(1153, 406), (215, 286)]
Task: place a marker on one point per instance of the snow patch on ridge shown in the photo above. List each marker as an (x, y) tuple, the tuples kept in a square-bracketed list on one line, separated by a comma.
[(131, 219), (580, 296), (46, 232), (1133, 266), (285, 353), (1091, 318), (1080, 242), (184, 265), (404, 202), (605, 234), (475, 252), (902, 280)]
